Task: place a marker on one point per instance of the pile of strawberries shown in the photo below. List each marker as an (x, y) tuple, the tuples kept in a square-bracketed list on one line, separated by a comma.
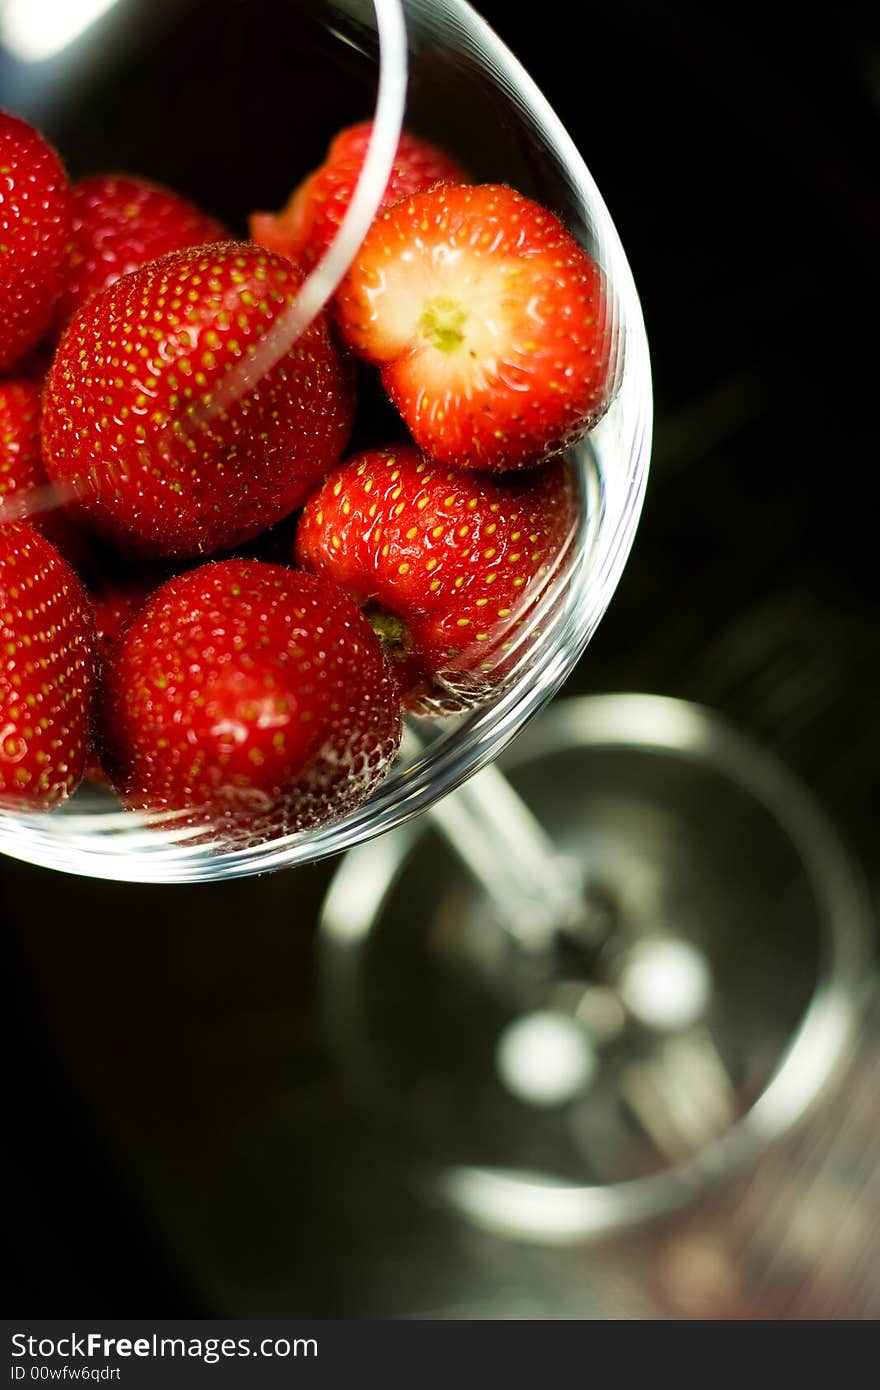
[(219, 588)]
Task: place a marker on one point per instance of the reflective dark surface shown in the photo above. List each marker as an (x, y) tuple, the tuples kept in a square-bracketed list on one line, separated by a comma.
[(177, 1140)]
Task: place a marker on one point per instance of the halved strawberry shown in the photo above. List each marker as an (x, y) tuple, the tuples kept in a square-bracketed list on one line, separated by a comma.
[(119, 223), (489, 322), (305, 227), (173, 412), (47, 672), (34, 220), (248, 699), (449, 565)]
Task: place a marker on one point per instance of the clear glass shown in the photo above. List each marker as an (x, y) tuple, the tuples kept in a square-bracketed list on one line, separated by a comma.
[(541, 1080), (437, 66)]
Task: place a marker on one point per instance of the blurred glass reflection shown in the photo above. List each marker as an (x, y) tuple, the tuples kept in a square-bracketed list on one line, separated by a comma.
[(34, 30)]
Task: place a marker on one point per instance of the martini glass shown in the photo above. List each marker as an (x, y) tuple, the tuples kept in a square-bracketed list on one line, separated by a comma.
[(232, 71), (540, 942)]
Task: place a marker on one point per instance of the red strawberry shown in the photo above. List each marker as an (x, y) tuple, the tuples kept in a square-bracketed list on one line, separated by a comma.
[(449, 564), (23, 482), (34, 218), (488, 321), (113, 608), (416, 159), (46, 672), (251, 696), (173, 414), (119, 224), (304, 229), (25, 491)]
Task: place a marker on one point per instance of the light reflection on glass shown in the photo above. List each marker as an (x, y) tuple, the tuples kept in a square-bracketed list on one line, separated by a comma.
[(34, 30)]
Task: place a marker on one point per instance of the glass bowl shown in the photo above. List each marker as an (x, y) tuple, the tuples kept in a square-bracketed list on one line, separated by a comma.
[(231, 75)]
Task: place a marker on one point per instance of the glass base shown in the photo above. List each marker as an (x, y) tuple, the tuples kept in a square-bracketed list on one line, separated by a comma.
[(612, 1075)]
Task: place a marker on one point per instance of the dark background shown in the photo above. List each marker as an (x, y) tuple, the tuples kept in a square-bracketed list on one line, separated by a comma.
[(177, 1142)]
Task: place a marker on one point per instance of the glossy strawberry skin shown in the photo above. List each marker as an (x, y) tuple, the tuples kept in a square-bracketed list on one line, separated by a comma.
[(119, 223), (34, 222), (489, 322), (304, 229), (250, 700), (170, 416), (47, 672), (459, 559)]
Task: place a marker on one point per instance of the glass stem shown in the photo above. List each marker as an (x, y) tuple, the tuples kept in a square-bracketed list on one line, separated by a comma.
[(537, 894)]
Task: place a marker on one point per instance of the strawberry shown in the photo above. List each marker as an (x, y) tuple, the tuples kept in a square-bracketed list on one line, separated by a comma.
[(23, 482), (174, 415), (449, 564), (34, 219), (305, 227), (113, 607), (25, 491), (46, 672), (488, 321), (120, 223), (252, 697)]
